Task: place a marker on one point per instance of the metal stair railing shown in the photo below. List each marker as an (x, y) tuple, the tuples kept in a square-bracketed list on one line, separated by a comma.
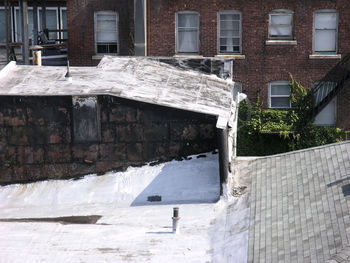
[(329, 87)]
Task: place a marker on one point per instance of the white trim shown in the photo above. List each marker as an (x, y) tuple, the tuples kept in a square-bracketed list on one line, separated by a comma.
[(281, 12), (237, 56), (117, 27), (324, 56), (235, 12), (177, 32), (330, 11), (276, 42), (61, 21), (272, 83)]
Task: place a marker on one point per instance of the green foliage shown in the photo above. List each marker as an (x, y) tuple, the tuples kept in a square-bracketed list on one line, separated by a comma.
[(272, 131)]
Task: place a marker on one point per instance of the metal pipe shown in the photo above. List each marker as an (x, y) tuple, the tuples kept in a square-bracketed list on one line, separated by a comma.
[(176, 220), (25, 35), (35, 22), (223, 157)]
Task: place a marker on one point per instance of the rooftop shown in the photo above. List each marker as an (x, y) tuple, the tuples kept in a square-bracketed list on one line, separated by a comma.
[(134, 78), (300, 206)]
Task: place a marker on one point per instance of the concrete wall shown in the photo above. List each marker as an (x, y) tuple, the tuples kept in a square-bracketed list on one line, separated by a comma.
[(37, 139), (263, 63)]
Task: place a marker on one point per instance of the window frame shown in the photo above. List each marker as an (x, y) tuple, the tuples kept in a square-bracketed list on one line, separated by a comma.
[(280, 82), (177, 32), (11, 18), (110, 12), (234, 12), (320, 11), (61, 21), (282, 12)]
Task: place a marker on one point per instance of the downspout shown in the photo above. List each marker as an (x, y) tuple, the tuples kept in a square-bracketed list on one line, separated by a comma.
[(223, 157)]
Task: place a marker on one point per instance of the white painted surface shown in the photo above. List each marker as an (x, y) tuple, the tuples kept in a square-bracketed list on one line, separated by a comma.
[(210, 232), (134, 78)]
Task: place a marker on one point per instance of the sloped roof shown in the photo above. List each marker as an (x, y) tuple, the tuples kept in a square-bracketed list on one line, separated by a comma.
[(300, 210), (134, 78)]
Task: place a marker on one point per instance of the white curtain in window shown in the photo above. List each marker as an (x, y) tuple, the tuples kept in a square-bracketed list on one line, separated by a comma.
[(188, 25), (106, 28), (326, 32), (281, 25), (327, 117), (325, 40)]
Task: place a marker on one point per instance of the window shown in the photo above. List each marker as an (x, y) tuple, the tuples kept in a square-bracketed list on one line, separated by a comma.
[(325, 31), (281, 24), (230, 32), (106, 32), (187, 32), (327, 116), (279, 92), (63, 10)]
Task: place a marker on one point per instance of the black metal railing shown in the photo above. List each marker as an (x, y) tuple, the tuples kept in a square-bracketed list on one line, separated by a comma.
[(328, 88)]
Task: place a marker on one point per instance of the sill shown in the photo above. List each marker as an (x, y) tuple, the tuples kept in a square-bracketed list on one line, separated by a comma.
[(280, 42), (234, 56), (187, 56), (100, 56), (325, 56)]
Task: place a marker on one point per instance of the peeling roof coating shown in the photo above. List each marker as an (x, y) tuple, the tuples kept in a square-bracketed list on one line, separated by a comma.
[(133, 78)]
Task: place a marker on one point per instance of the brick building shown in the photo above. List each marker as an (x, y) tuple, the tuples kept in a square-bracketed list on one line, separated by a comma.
[(98, 27), (268, 40)]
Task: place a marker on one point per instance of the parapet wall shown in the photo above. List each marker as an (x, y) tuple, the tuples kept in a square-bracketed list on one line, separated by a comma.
[(38, 139)]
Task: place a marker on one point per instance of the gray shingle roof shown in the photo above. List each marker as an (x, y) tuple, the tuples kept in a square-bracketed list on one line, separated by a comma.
[(298, 209)]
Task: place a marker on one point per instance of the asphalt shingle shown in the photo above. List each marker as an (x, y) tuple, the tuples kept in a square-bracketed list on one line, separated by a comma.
[(299, 212)]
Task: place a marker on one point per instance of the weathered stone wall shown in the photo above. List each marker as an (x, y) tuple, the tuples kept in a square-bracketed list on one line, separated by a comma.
[(37, 142)]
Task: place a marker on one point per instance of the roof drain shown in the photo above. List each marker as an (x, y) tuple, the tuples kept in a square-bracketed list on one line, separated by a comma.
[(176, 220)]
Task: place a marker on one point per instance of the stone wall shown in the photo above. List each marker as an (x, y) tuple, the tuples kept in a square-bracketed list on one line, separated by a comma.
[(37, 139)]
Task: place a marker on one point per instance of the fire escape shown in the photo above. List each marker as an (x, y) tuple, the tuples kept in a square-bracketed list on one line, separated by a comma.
[(327, 88)]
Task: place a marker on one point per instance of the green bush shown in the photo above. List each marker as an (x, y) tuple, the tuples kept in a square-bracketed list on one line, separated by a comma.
[(265, 132)]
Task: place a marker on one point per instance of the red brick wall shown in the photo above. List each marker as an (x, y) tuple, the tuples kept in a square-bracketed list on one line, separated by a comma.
[(81, 41), (36, 139), (262, 63)]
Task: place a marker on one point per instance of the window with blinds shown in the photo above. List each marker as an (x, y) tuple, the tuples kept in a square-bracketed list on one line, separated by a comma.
[(106, 32)]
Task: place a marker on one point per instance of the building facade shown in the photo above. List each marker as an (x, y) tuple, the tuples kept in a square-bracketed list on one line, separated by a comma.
[(269, 40), (99, 27)]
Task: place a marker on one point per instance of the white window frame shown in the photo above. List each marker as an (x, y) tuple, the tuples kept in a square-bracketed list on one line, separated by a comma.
[(38, 15), (95, 29), (230, 12), (272, 83), (15, 33), (177, 31), (330, 11), (281, 12), (61, 21)]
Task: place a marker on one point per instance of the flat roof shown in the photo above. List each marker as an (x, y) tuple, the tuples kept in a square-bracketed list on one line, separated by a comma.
[(134, 78)]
